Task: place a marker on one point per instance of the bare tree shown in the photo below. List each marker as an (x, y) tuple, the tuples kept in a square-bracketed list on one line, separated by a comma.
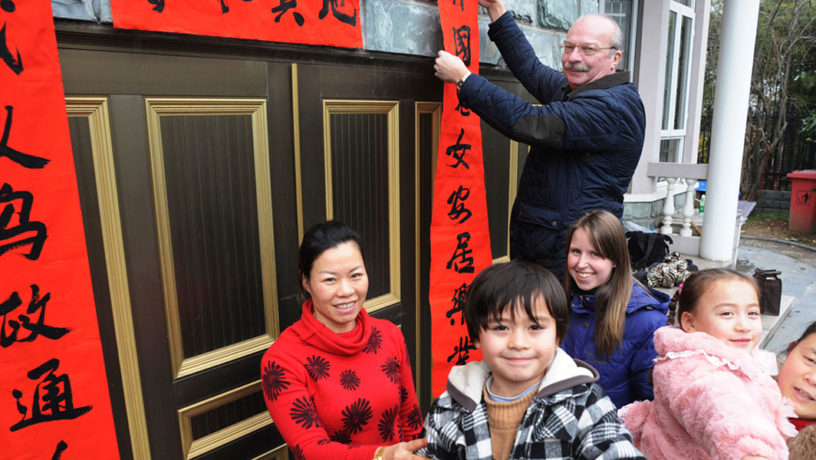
[(786, 36)]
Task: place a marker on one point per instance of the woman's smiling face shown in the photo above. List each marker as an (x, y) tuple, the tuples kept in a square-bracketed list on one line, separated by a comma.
[(587, 267), (338, 284)]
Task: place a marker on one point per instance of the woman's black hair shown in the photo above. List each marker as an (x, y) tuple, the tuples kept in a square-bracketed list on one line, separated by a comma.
[(508, 285), (810, 330), (318, 239)]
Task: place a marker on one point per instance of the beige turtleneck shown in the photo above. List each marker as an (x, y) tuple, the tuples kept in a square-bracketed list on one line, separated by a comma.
[(504, 419)]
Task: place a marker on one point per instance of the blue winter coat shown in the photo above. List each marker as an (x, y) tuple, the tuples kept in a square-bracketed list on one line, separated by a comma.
[(585, 143), (625, 375)]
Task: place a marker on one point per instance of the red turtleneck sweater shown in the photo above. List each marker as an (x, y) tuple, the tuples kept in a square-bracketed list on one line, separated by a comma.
[(340, 396)]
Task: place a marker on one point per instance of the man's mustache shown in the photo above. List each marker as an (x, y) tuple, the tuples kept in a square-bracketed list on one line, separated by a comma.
[(577, 67)]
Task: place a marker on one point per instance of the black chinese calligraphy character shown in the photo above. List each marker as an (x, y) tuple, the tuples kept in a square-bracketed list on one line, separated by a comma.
[(24, 160), (24, 321), (461, 352), (7, 6), (342, 17), (61, 446), (16, 65), (459, 108), (52, 400), (458, 151), (458, 299), (23, 232), (463, 253), (225, 7), (286, 5), (458, 208), (159, 5), (461, 4), (461, 40)]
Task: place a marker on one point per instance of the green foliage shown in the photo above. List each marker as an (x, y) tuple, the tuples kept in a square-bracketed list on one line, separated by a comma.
[(766, 216), (809, 127)]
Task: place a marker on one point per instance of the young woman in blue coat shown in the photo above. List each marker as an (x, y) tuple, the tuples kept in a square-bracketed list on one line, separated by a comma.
[(612, 316)]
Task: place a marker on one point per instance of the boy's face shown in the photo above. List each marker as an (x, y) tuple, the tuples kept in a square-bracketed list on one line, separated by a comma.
[(797, 378), (519, 351)]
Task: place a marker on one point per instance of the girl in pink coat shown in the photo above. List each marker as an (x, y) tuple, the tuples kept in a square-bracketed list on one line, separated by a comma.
[(713, 399)]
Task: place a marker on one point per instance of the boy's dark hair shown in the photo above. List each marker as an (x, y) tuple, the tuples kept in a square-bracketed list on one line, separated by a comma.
[(504, 286), (318, 239), (698, 283)]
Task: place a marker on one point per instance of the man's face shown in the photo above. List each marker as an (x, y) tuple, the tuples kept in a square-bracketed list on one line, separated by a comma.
[(593, 32)]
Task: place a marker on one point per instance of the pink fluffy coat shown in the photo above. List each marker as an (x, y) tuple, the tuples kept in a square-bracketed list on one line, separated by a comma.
[(711, 401)]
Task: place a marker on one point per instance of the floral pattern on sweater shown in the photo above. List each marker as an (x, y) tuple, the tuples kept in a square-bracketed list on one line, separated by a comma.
[(340, 396)]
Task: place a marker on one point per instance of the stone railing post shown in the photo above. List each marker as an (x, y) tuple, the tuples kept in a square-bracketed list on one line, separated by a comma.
[(668, 207), (688, 208)]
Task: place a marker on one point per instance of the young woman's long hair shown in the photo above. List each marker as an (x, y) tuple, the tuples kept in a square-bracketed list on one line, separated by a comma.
[(608, 238)]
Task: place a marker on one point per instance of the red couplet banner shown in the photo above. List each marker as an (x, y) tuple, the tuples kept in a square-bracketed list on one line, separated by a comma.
[(311, 22), (54, 400), (460, 239)]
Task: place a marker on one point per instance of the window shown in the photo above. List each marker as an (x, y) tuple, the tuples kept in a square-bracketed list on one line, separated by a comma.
[(624, 12), (678, 69)]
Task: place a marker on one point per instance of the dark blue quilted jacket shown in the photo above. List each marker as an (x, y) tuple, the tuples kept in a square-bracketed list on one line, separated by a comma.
[(585, 144), (625, 374)]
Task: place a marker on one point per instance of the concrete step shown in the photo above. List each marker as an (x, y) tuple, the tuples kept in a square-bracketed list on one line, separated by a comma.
[(771, 322)]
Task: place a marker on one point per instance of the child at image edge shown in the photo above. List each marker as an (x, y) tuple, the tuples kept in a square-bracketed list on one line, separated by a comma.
[(713, 399), (527, 398), (797, 381)]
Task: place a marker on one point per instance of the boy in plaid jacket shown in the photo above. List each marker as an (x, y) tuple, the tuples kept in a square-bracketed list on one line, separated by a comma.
[(527, 398)]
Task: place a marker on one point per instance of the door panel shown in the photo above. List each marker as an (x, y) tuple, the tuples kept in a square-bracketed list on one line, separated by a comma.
[(218, 163), (195, 189)]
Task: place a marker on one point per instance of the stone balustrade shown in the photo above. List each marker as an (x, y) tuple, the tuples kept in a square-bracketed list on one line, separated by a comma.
[(676, 174)]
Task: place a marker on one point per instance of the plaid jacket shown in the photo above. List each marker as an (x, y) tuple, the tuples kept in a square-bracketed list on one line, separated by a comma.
[(570, 418)]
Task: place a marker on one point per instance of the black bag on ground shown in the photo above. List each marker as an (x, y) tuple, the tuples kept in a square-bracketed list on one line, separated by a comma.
[(770, 290), (646, 248)]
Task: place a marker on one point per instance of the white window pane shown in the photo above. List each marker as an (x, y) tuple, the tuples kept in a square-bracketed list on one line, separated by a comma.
[(671, 150), (683, 69), (670, 70)]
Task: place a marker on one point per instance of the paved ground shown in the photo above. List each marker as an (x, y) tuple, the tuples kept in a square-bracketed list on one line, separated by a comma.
[(798, 267)]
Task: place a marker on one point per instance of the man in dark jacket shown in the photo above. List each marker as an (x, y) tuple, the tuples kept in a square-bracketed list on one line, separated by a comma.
[(585, 138)]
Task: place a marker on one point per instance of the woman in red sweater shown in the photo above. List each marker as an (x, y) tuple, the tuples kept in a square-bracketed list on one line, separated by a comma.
[(338, 382)]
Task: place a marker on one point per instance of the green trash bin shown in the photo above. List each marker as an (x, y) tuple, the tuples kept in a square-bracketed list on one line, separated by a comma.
[(803, 200)]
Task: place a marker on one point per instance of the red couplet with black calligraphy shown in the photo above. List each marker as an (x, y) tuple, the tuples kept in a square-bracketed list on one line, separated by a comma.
[(311, 22), (460, 239), (54, 399)]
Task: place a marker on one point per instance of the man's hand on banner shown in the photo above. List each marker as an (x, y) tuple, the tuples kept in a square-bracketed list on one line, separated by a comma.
[(449, 68), (495, 8)]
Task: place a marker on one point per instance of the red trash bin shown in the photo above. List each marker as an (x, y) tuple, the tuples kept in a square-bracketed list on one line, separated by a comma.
[(803, 200)]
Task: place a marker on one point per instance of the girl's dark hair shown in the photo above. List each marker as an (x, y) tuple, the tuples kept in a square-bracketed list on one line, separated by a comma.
[(695, 286), (606, 234), (507, 285), (317, 240)]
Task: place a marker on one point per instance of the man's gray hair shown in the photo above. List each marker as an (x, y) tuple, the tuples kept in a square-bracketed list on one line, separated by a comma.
[(617, 36)]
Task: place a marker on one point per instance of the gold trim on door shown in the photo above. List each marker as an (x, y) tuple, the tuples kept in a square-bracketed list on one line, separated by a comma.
[(194, 447), (512, 189), (278, 453), (95, 109), (256, 109), (391, 109), (296, 139), (435, 110)]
